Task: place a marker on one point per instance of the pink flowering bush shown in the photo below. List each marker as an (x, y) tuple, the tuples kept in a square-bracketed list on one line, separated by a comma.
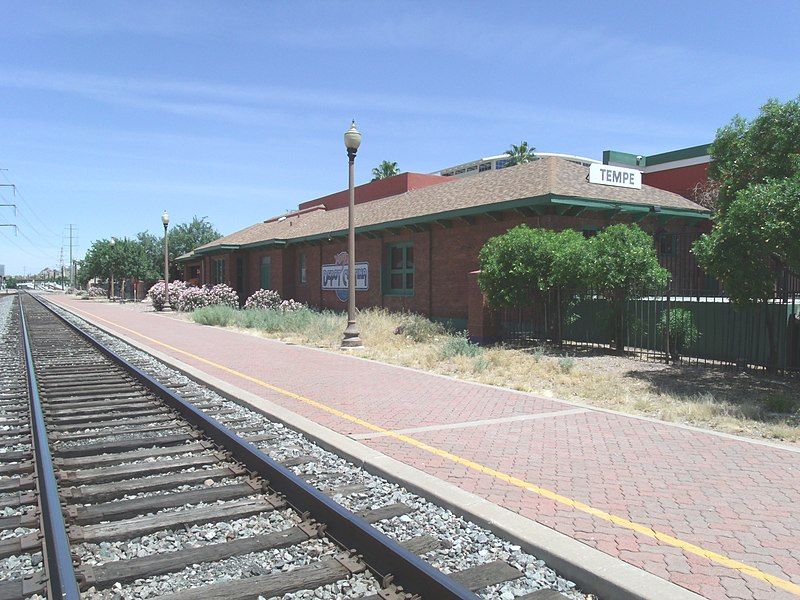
[(223, 295), (291, 305), (263, 299), (156, 294), (191, 298)]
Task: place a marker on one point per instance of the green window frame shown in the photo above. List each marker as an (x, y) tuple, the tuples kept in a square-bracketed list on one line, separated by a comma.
[(399, 272), (266, 265), (218, 271), (303, 268)]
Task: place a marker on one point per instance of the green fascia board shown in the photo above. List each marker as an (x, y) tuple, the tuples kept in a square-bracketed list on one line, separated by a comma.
[(272, 242), (688, 214), (220, 248), (584, 202), (681, 154), (187, 258), (635, 208)]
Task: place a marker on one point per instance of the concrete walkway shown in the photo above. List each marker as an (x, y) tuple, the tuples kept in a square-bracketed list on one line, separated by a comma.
[(716, 514)]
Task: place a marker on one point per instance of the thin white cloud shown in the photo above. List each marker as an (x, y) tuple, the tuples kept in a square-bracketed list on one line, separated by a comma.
[(280, 106)]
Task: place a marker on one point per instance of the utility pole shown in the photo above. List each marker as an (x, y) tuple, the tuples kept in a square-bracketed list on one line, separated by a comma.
[(71, 262)]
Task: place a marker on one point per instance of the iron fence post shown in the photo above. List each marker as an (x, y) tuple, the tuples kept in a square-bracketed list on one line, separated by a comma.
[(666, 323)]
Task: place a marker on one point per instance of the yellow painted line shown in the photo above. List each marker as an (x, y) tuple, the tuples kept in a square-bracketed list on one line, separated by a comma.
[(510, 479)]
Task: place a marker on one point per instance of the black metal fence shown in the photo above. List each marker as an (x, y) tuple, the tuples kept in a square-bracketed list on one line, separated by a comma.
[(692, 328)]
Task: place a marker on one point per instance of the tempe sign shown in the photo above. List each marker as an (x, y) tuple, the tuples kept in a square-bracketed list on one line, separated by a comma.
[(617, 176), (334, 277)]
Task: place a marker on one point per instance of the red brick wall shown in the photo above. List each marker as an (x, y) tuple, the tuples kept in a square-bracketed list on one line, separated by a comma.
[(680, 181)]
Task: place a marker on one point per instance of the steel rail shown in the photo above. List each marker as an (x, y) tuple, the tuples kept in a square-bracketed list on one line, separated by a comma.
[(57, 556), (384, 556)]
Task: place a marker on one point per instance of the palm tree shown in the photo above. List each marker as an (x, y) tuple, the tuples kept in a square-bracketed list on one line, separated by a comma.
[(384, 170), (518, 155)]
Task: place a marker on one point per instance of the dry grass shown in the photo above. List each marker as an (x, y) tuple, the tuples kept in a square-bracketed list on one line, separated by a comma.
[(718, 399)]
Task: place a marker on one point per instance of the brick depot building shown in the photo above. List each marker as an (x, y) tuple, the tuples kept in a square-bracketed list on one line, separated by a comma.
[(418, 236)]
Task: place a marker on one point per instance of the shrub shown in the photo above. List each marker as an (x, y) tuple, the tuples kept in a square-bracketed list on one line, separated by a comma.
[(223, 295), (263, 299), (566, 363), (419, 328), (156, 294), (460, 346), (219, 315), (192, 298), (96, 292), (291, 305), (683, 332)]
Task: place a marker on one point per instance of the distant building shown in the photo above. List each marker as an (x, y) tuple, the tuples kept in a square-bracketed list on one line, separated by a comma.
[(492, 163)]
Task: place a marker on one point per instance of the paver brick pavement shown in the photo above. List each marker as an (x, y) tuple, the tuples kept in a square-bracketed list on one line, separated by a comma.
[(732, 497)]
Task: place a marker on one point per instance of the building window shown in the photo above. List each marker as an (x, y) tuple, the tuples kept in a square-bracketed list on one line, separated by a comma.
[(487, 166), (667, 244), (303, 270), (266, 263), (218, 271), (499, 164), (400, 269)]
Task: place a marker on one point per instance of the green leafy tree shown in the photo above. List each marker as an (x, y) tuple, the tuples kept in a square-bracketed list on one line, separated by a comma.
[(152, 248), (622, 265), (123, 259), (758, 234), (518, 155), (526, 266), (384, 170), (186, 237), (746, 152)]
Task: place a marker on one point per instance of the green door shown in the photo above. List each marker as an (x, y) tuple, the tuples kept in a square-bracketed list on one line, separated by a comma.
[(265, 264)]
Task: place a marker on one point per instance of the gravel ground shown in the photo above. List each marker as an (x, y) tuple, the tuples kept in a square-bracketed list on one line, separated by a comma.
[(469, 544)]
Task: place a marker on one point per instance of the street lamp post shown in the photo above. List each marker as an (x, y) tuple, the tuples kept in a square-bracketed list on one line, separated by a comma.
[(111, 284), (351, 339), (165, 221)]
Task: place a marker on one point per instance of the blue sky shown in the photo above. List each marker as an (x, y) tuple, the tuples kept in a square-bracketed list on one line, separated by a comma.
[(112, 111)]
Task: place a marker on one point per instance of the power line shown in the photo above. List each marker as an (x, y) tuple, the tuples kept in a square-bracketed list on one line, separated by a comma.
[(19, 194)]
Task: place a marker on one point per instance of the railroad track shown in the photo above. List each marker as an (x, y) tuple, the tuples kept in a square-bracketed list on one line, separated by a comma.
[(133, 460)]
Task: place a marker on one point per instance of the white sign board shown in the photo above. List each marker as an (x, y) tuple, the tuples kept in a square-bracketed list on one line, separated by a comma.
[(334, 276), (616, 176)]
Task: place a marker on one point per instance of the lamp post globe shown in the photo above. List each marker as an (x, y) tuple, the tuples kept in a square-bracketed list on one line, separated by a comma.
[(165, 221), (351, 338)]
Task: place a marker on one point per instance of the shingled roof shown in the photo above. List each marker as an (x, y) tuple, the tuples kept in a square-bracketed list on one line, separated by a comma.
[(546, 181)]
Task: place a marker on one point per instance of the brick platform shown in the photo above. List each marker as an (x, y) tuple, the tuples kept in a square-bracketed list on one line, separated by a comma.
[(725, 510)]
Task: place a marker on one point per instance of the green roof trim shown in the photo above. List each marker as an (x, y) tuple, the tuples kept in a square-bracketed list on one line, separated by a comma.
[(681, 154), (626, 158), (592, 204)]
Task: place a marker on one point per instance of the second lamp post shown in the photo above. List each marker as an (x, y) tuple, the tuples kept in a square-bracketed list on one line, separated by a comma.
[(165, 221), (351, 339)]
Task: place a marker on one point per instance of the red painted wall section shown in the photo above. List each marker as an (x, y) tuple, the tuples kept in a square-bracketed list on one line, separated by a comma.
[(680, 181), (383, 188)]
